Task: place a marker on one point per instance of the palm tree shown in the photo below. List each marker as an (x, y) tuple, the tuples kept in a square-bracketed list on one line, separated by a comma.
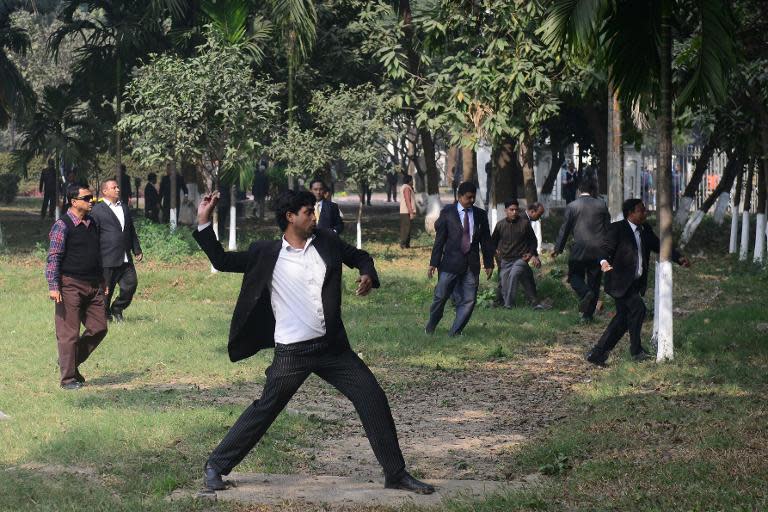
[(15, 92), (115, 35), (636, 41)]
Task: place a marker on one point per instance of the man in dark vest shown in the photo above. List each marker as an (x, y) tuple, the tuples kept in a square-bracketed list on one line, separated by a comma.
[(119, 244), (291, 300), (75, 283)]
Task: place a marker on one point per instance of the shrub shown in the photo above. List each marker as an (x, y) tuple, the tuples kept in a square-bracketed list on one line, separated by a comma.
[(9, 187), (159, 244)]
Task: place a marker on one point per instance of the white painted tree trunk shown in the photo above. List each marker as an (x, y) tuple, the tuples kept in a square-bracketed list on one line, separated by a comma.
[(232, 243), (733, 245), (759, 238), (722, 205), (683, 210), (434, 205), (655, 335), (666, 333), (744, 249), (215, 226), (172, 220), (690, 227), (359, 235), (545, 200)]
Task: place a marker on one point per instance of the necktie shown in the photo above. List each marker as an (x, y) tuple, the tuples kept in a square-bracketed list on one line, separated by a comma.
[(317, 211), (465, 240), (639, 270)]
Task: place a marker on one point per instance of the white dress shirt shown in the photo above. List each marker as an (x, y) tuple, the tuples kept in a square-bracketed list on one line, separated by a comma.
[(471, 219), (636, 231), (117, 209)]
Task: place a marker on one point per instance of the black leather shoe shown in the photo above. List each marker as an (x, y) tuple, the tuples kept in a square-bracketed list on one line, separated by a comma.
[(71, 385), (408, 483), (212, 479), (117, 317), (641, 356), (79, 377), (597, 358), (585, 302)]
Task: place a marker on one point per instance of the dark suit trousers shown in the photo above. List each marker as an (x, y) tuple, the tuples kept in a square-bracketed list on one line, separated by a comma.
[(81, 302), (125, 277), (49, 203), (630, 313), (585, 276), (463, 289), (291, 365)]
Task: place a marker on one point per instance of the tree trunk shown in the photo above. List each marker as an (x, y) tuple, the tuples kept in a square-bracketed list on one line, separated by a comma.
[(450, 162), (172, 214), (664, 188), (359, 226), (733, 245), (232, 242), (525, 159), (468, 165), (503, 177), (558, 157), (615, 157), (118, 142), (732, 169), (744, 251), (762, 190), (433, 181), (693, 184)]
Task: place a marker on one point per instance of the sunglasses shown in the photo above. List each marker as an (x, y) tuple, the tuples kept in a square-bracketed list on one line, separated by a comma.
[(88, 198)]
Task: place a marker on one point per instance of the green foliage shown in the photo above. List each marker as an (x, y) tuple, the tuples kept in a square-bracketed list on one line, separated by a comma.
[(9, 187), (159, 244)]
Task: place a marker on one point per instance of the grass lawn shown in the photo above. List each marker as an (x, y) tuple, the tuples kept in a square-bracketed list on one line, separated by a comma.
[(691, 434)]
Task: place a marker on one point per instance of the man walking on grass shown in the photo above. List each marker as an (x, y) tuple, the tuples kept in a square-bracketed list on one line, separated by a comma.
[(75, 284), (461, 232), (291, 300)]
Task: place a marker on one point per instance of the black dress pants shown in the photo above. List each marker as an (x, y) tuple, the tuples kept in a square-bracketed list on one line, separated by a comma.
[(630, 314), (125, 277), (49, 203), (585, 276), (291, 365)]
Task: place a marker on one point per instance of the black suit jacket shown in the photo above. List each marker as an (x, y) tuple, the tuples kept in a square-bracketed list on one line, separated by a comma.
[(446, 251), (330, 217), (588, 219), (115, 241), (253, 322), (620, 249)]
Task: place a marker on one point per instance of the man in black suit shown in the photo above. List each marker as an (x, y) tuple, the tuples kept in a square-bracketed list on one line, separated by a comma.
[(291, 300), (588, 218), (326, 212), (49, 181), (627, 250), (118, 240), (151, 199), (461, 232)]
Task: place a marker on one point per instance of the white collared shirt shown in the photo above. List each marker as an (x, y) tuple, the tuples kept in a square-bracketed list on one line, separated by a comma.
[(636, 231), (117, 209), (297, 303), (471, 219)]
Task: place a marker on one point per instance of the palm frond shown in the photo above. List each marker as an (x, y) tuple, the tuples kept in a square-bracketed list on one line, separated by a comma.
[(297, 20), (573, 23)]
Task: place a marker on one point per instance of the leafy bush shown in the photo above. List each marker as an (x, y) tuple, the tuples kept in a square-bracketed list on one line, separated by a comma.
[(9, 187), (159, 244)]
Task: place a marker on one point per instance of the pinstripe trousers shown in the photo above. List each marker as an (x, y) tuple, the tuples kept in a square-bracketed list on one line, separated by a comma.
[(291, 365)]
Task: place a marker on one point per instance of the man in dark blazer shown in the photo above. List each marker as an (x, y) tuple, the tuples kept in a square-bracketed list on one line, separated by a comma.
[(326, 211), (627, 251), (119, 243), (587, 218), (461, 233), (291, 300)]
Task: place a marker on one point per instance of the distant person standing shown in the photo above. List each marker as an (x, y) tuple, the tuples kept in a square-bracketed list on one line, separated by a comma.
[(75, 284), (407, 211), (391, 184), (587, 218), (677, 176), (461, 233), (118, 243), (151, 199), (165, 193), (49, 182), (516, 246), (126, 192), (365, 192), (327, 213), (260, 191), (646, 185), (568, 183)]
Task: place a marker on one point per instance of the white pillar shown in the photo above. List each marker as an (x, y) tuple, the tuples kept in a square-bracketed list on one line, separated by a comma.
[(744, 249), (666, 333)]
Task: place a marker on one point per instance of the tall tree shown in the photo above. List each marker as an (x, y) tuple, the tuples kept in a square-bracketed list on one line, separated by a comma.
[(15, 92)]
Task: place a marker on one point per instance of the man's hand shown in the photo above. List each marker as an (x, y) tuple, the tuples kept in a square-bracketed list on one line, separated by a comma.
[(55, 296), (535, 261), (139, 256), (685, 262), (364, 285), (206, 206), (412, 215), (431, 272), (605, 266), (489, 272)]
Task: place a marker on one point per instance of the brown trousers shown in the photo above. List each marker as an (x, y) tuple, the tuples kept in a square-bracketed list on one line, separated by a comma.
[(405, 230), (81, 302)]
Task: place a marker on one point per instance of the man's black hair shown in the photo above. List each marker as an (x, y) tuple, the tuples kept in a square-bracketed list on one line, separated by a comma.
[(73, 190), (585, 186), (629, 206), (291, 201), (467, 187), (510, 202), (152, 177), (534, 206), (318, 180), (407, 178)]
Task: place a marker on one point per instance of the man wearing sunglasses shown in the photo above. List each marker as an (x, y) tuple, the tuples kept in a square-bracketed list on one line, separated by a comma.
[(75, 284)]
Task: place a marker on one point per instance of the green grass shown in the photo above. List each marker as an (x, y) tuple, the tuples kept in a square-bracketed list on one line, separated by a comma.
[(684, 435)]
